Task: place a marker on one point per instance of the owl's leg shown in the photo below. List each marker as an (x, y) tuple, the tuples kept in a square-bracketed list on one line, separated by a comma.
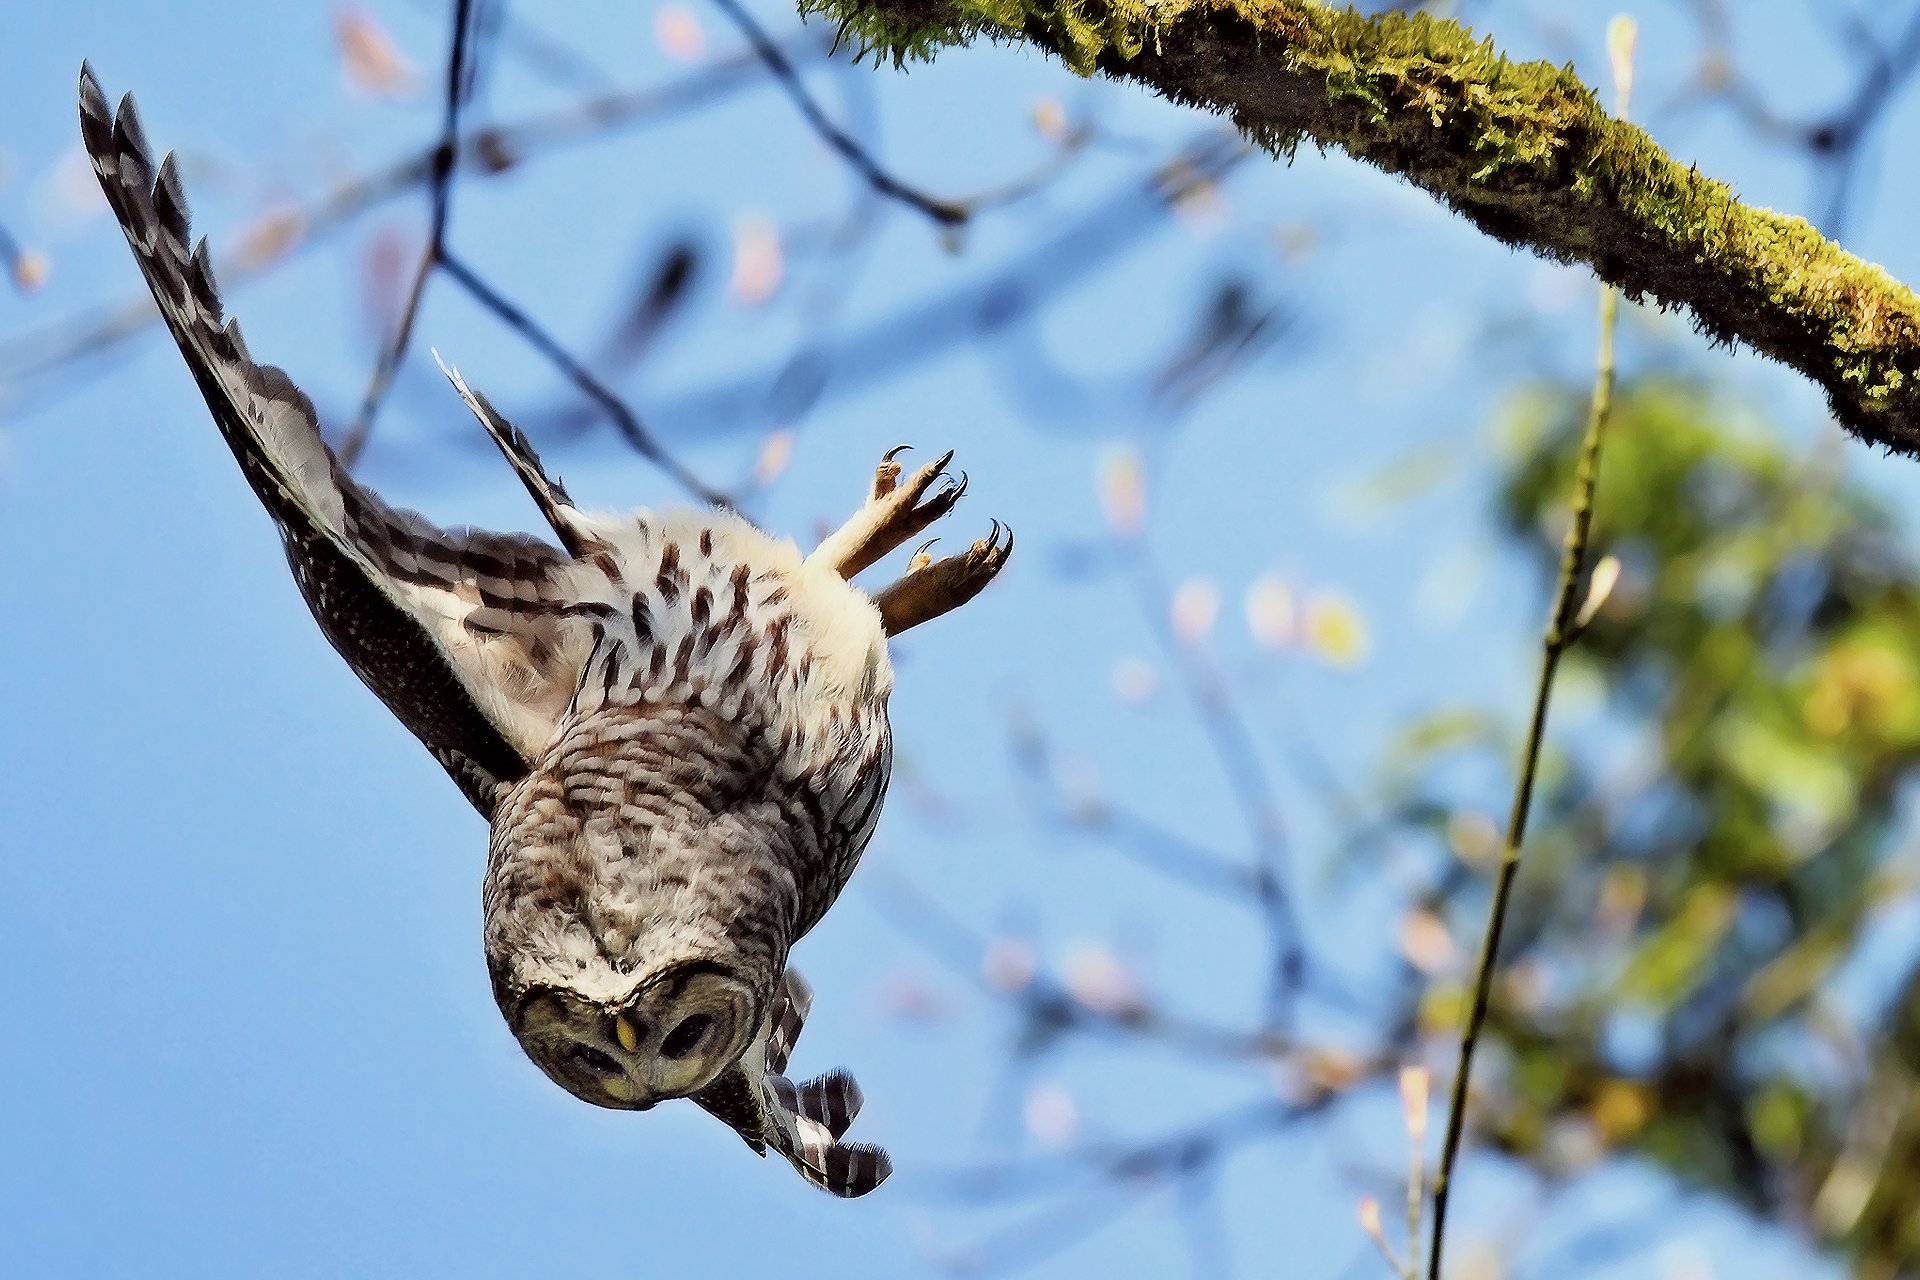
[(893, 513), (932, 587)]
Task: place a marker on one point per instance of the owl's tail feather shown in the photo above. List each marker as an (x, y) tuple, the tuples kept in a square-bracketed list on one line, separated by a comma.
[(805, 1122), (547, 492), (804, 1125), (790, 1007), (830, 1101), (846, 1169)]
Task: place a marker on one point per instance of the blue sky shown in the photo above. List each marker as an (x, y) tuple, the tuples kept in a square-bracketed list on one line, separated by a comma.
[(249, 1030)]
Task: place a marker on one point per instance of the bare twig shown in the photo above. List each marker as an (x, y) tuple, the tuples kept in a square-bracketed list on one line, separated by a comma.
[(1234, 748), (483, 152), (1560, 634), (1835, 139), (440, 191), (947, 213), (628, 422)]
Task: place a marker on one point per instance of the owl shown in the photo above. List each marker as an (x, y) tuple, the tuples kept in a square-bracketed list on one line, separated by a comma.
[(674, 723)]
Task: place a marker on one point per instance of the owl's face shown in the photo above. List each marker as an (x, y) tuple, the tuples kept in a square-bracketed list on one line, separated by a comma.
[(671, 1036)]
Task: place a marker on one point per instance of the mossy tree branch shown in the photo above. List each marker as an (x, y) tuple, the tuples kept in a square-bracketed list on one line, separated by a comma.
[(1524, 151)]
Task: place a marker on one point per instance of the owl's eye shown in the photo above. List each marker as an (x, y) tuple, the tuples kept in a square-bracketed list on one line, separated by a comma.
[(590, 1061), (686, 1037)]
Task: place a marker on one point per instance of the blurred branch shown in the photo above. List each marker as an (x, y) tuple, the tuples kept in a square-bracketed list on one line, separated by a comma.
[(1563, 627), (1522, 150), (485, 152), (1239, 760), (1125, 831), (1115, 1177), (629, 423), (1046, 1008), (439, 192), (1836, 138), (946, 213)]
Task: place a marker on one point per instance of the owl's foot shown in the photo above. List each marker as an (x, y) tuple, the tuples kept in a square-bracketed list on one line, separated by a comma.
[(893, 513), (932, 587)]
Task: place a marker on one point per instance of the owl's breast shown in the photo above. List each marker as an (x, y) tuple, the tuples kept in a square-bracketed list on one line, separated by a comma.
[(731, 688)]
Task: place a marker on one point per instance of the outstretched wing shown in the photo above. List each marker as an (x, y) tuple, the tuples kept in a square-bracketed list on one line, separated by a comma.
[(465, 635)]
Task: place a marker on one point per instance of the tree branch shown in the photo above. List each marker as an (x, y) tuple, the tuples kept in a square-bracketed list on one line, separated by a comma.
[(1524, 151)]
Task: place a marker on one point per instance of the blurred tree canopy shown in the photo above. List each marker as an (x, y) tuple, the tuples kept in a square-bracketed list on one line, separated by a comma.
[(1726, 848)]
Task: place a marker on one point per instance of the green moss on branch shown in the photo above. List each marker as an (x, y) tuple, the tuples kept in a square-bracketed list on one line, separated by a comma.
[(1523, 150)]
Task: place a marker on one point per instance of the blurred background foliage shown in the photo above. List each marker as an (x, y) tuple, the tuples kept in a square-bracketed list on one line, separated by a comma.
[(1725, 842)]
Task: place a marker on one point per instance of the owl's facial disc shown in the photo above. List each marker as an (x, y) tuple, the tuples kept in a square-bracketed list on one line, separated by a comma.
[(668, 1038)]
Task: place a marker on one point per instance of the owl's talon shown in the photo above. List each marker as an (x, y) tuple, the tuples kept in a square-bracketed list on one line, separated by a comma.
[(896, 509), (931, 587)]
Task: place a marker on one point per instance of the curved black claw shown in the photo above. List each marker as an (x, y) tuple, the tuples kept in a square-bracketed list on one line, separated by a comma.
[(940, 586), (899, 505)]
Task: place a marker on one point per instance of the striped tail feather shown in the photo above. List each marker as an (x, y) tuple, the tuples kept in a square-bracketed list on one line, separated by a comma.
[(804, 1124), (791, 1004), (546, 492)]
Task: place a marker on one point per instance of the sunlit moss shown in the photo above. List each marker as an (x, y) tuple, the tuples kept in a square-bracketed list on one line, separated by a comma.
[(1524, 149)]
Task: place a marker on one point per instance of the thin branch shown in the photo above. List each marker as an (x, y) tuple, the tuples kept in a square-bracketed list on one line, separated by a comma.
[(1524, 151), (1561, 632), (483, 152), (440, 193), (946, 213), (628, 422), (1126, 831), (1234, 748), (1044, 1005), (1834, 139)]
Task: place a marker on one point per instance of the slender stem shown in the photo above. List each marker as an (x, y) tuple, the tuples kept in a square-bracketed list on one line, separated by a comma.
[(624, 418), (1560, 633), (439, 191), (947, 213)]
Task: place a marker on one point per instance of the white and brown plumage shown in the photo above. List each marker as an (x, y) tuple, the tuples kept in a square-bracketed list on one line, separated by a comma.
[(675, 723)]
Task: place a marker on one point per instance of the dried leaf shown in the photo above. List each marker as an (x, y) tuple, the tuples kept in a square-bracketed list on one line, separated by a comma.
[(1621, 33), (1270, 612), (757, 262), (679, 33), (1123, 491), (1049, 119), (1095, 977), (1050, 1114), (776, 451), (1008, 965), (269, 236), (368, 57), (1195, 608), (1335, 630), (30, 270)]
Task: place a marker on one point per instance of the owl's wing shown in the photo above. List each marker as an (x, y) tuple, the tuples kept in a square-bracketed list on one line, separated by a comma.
[(803, 1122), (463, 634)]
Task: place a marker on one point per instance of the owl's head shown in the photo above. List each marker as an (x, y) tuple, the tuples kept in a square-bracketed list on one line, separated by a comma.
[(668, 1036)]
